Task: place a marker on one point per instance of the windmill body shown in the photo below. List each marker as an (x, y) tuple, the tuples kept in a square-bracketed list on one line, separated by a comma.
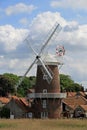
[(47, 97)]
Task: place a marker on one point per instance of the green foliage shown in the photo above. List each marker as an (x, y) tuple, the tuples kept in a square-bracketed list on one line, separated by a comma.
[(27, 83), (8, 82), (67, 84), (76, 87), (24, 86), (6, 85), (13, 77), (32, 80), (5, 113)]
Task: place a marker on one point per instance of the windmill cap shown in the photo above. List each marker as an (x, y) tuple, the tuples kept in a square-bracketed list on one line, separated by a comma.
[(50, 59)]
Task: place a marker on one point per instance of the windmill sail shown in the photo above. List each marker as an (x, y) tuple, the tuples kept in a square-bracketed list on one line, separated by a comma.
[(55, 29), (22, 78), (46, 71), (45, 75)]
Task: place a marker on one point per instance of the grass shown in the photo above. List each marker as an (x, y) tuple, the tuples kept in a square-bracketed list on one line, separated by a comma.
[(33, 124)]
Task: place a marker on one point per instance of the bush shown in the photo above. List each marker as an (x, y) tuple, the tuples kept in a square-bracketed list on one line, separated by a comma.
[(5, 113)]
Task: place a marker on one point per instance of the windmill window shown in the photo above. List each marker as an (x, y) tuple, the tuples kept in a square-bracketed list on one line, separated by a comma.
[(44, 90), (44, 77), (44, 104)]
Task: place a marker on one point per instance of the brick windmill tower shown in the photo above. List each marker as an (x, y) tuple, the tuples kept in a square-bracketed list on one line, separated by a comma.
[(47, 100), (47, 96)]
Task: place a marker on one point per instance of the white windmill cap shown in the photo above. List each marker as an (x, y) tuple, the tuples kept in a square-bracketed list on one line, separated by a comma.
[(50, 59)]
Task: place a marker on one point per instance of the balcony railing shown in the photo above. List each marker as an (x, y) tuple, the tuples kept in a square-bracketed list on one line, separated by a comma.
[(46, 95)]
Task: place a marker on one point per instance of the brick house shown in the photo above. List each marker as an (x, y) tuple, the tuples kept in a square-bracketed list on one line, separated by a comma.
[(80, 111), (19, 107), (70, 104)]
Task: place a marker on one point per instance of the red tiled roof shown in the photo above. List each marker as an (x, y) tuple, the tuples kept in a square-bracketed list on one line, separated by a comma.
[(4, 100), (22, 106), (82, 93), (84, 107), (76, 100), (14, 97), (71, 106), (22, 102), (71, 94)]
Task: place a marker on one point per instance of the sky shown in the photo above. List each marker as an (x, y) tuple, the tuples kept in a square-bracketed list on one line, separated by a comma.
[(33, 20)]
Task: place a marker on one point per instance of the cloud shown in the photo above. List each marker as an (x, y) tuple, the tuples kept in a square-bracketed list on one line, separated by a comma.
[(19, 8), (24, 21), (72, 26), (16, 66), (42, 26), (73, 36), (81, 4), (47, 19), (84, 83), (75, 42), (11, 37), (14, 52)]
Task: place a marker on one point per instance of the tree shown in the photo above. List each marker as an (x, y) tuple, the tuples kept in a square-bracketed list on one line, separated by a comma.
[(27, 83), (8, 82), (23, 87), (12, 77), (67, 84), (77, 87), (6, 85)]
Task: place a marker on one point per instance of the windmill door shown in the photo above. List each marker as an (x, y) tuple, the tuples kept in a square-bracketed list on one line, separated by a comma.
[(44, 115)]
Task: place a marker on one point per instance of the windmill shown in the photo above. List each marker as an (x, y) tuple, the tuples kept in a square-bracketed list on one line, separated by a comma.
[(47, 96), (47, 73)]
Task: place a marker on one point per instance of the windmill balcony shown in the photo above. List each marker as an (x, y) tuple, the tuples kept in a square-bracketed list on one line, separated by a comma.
[(46, 95)]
